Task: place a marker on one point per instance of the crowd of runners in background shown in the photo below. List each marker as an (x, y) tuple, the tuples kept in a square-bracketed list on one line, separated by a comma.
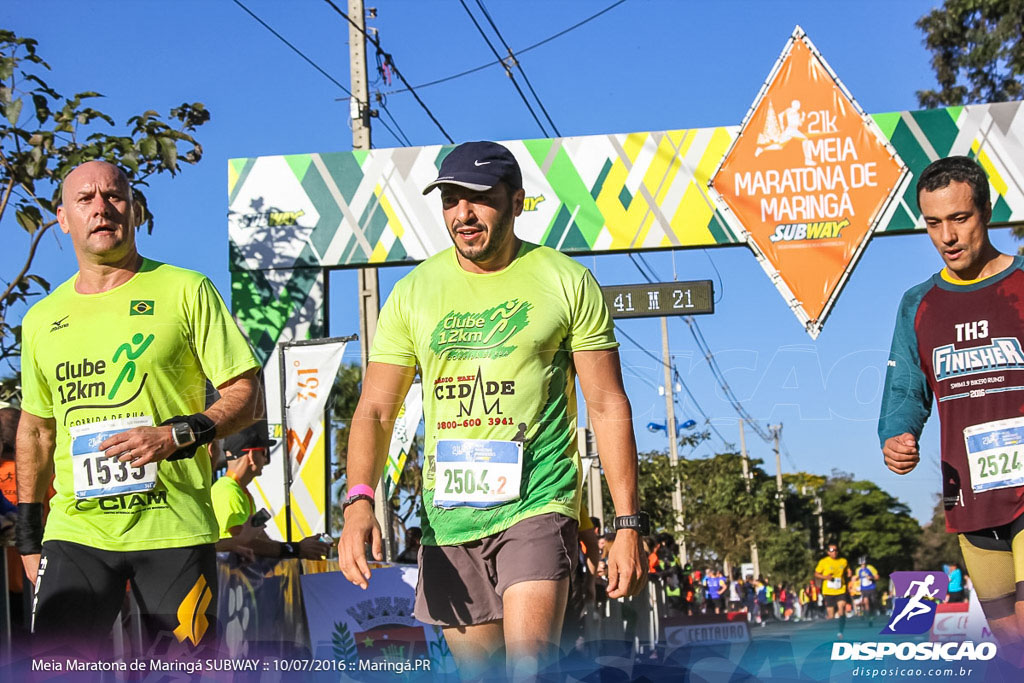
[(705, 588)]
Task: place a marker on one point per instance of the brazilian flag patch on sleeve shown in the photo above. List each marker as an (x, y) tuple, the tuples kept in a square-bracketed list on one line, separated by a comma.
[(141, 307)]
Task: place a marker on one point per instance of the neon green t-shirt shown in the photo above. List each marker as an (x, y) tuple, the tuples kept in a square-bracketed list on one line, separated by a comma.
[(231, 503), (141, 350), (495, 354)]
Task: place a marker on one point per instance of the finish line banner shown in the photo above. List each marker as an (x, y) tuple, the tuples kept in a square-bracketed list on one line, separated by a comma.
[(290, 217)]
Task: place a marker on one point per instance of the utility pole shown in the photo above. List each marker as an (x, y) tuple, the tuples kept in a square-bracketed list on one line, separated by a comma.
[(816, 496), (821, 521), (369, 291), (754, 558), (673, 446), (592, 472), (776, 430)]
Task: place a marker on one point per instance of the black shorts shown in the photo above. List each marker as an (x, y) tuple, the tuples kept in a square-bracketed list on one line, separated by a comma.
[(80, 591), (833, 600)]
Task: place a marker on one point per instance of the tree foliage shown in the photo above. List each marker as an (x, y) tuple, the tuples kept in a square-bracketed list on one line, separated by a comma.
[(977, 51), (43, 135), (656, 479), (938, 546), (723, 516), (865, 520), (786, 556)]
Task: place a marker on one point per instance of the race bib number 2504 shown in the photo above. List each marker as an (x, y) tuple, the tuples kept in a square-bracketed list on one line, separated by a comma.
[(96, 475), (477, 473)]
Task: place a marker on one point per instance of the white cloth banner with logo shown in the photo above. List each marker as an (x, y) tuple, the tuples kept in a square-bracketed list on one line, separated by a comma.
[(309, 369), (401, 438)]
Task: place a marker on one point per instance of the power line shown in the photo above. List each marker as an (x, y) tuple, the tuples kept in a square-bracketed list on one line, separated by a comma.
[(523, 51), (785, 452), (719, 376), (705, 350), (661, 362), (383, 105), (390, 61), (721, 283), (393, 133), (512, 56), (294, 49), (508, 71)]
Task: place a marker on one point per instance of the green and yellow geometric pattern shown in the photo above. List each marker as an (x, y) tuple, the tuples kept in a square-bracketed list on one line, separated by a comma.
[(291, 217)]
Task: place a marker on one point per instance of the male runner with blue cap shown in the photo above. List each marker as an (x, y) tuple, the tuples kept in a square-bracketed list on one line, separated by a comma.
[(499, 329)]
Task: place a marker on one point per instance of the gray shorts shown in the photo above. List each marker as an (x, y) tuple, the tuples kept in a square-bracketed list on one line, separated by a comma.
[(462, 585)]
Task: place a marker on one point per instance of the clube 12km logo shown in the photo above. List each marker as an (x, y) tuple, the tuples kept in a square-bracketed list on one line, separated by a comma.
[(917, 597)]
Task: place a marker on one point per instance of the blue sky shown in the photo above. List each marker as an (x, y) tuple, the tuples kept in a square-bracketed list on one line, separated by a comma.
[(644, 65)]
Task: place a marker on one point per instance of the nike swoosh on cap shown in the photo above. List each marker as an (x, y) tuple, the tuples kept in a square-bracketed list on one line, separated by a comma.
[(480, 163)]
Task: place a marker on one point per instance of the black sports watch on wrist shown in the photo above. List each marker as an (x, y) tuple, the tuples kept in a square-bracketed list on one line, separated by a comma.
[(182, 434), (641, 522)]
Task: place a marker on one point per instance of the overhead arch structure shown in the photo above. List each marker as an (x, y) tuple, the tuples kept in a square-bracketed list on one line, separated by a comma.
[(291, 218)]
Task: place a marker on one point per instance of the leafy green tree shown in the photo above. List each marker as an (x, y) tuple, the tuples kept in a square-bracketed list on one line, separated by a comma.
[(723, 517), (43, 135), (938, 546), (865, 520), (977, 51), (656, 480), (785, 555)]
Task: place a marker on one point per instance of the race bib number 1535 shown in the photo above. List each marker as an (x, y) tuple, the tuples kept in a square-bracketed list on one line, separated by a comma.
[(96, 475)]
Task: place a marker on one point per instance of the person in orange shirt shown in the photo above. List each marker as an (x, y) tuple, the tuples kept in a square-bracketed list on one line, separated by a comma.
[(20, 600), (8, 432)]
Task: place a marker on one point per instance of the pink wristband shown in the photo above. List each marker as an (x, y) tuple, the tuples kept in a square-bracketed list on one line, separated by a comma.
[(360, 490)]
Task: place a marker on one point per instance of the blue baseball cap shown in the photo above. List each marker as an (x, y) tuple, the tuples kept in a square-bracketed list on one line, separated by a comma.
[(478, 166)]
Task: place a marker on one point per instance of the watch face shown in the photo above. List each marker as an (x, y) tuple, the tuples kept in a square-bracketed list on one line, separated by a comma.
[(182, 434)]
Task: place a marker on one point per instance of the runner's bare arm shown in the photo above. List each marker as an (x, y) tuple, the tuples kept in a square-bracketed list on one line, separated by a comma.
[(901, 453), (33, 461), (240, 404), (608, 407), (384, 390)]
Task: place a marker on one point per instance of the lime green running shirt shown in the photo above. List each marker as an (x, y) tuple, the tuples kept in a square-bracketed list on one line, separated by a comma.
[(232, 504), (141, 350), (495, 354)]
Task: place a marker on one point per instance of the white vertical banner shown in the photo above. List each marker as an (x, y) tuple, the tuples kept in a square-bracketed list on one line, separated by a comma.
[(401, 438), (296, 400)]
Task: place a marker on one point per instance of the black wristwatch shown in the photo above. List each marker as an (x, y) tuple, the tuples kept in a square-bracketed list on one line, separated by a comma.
[(182, 434), (641, 521)]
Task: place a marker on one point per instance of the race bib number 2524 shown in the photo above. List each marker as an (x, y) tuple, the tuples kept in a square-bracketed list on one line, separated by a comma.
[(995, 453)]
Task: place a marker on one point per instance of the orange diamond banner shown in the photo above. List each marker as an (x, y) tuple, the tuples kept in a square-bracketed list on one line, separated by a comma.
[(807, 180)]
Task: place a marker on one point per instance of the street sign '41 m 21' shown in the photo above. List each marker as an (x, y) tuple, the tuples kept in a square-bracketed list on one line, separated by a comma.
[(651, 300)]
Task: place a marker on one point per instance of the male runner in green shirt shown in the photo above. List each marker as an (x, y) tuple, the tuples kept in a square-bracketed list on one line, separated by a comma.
[(499, 329), (114, 367)]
